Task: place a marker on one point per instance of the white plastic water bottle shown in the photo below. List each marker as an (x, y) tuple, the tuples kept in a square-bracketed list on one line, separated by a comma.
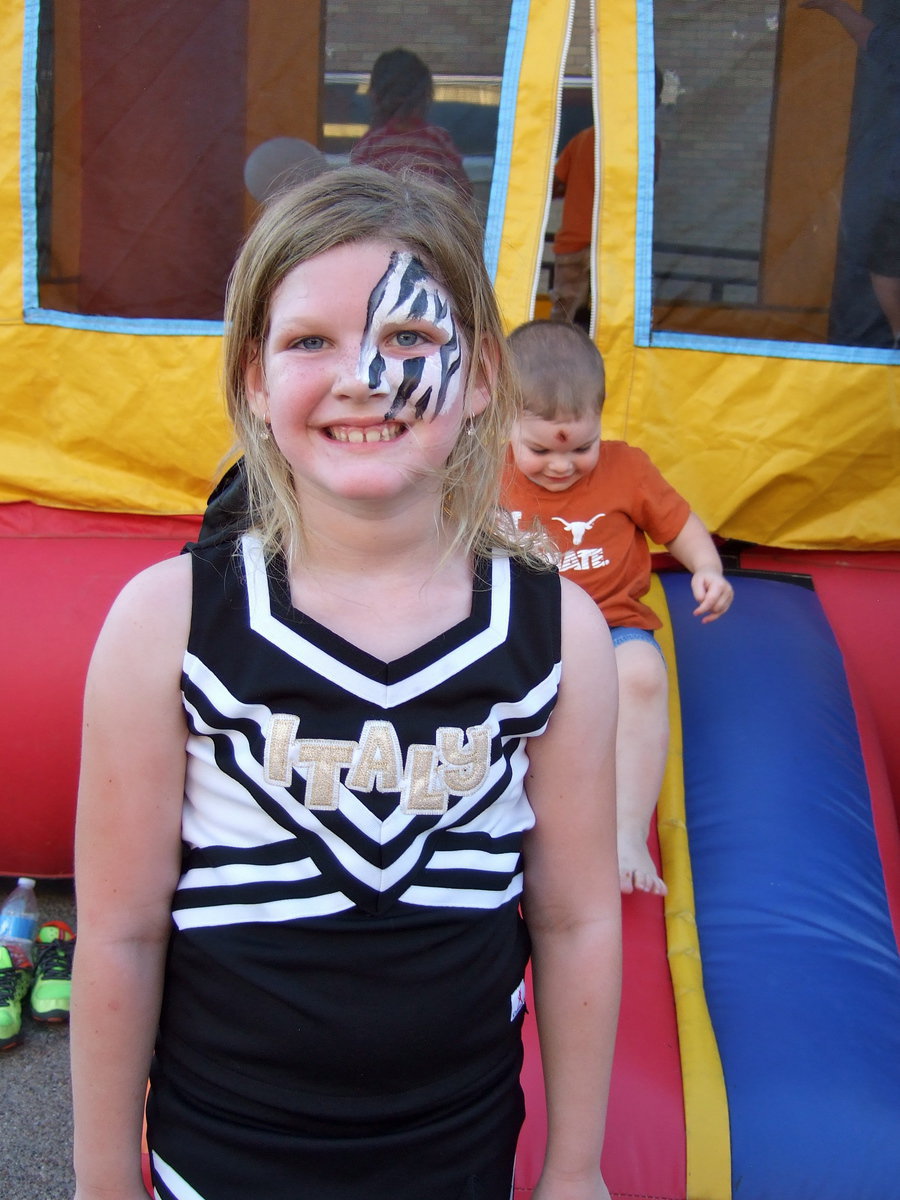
[(19, 921)]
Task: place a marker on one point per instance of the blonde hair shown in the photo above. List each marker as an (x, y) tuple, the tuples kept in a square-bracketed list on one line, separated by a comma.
[(356, 204), (560, 370)]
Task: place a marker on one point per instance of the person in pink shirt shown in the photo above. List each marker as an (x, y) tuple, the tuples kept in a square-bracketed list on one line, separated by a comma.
[(399, 137)]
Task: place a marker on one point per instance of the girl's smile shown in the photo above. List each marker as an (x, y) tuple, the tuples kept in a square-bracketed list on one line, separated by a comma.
[(369, 433)]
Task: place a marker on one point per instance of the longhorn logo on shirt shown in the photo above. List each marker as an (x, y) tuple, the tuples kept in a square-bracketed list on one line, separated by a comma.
[(591, 558), (455, 765), (578, 528)]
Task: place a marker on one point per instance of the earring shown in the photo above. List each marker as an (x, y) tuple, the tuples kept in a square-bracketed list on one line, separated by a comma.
[(264, 432), (470, 427)]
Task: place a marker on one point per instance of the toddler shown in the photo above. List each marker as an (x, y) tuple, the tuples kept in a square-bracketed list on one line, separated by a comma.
[(597, 500)]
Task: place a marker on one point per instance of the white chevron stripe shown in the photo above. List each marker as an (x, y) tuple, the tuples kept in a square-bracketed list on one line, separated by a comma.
[(473, 860), (380, 832), (230, 911), (269, 912), (268, 626), (179, 1187), (431, 897), (236, 818), (511, 816), (231, 709), (234, 874)]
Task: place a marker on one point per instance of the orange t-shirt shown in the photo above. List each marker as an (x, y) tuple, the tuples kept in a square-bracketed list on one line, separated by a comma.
[(599, 525), (575, 170)]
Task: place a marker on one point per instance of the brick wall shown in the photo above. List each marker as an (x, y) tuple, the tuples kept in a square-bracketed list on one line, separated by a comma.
[(578, 62), (714, 122), (455, 37)]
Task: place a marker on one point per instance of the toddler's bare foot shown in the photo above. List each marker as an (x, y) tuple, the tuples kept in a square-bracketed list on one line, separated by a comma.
[(637, 872)]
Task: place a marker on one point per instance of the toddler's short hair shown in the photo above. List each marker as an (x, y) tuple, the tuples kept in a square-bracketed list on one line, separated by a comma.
[(560, 369)]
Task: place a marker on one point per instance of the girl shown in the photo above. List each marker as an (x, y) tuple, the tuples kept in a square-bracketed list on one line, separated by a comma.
[(325, 762)]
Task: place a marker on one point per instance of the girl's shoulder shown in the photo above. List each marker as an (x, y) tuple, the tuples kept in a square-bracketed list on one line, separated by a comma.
[(146, 630), (164, 587)]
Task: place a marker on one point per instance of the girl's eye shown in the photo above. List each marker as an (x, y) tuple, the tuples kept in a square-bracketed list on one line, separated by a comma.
[(310, 343), (409, 338)]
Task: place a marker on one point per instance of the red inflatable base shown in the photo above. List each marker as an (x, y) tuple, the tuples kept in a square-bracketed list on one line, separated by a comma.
[(59, 573), (644, 1152)]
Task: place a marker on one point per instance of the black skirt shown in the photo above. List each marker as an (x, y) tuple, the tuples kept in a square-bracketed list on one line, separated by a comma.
[(224, 1147)]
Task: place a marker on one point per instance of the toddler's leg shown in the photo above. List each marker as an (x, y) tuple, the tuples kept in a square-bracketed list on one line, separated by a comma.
[(642, 739)]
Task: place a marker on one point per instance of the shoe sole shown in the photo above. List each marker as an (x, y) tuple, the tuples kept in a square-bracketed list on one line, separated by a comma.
[(54, 1017)]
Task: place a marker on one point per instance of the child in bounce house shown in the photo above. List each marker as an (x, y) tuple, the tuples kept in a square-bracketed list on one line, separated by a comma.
[(344, 771), (597, 500)]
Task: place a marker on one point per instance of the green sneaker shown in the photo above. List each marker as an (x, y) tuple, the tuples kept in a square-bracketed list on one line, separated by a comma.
[(51, 992), (15, 980)]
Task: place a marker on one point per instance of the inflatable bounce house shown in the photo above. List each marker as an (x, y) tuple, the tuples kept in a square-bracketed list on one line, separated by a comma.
[(744, 299)]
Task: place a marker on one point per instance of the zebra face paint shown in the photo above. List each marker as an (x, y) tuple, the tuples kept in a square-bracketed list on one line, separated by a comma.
[(420, 386)]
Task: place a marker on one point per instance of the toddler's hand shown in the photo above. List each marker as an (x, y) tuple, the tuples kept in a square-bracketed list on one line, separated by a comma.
[(713, 594)]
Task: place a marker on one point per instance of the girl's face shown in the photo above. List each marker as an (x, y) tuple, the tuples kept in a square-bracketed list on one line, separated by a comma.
[(362, 374)]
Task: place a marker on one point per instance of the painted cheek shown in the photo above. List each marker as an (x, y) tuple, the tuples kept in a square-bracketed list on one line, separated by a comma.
[(441, 384)]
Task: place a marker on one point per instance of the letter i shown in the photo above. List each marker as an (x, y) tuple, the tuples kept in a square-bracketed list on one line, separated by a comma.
[(281, 737)]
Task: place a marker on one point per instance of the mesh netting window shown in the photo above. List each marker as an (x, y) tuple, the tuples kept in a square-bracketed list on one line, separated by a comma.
[(777, 201), (161, 125)]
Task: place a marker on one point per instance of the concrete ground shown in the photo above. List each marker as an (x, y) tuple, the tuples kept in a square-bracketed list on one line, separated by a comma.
[(35, 1104)]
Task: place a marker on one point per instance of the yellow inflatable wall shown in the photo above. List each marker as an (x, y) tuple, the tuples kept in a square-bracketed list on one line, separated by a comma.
[(785, 452), (781, 451)]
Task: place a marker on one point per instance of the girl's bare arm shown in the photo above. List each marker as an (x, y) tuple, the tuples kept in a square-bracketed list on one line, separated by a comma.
[(572, 903), (127, 854)]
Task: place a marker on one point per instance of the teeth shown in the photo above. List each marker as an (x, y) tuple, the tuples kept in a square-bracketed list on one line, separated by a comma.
[(374, 433)]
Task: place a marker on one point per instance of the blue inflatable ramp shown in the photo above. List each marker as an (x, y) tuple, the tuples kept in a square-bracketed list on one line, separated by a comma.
[(800, 959)]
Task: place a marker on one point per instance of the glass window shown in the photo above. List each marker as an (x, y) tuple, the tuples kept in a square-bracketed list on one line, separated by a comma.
[(378, 61), (777, 199)]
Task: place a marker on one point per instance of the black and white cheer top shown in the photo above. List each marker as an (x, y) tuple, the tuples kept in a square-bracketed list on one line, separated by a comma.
[(347, 918)]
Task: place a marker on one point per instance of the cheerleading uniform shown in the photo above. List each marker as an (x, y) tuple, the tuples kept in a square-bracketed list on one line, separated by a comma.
[(344, 985)]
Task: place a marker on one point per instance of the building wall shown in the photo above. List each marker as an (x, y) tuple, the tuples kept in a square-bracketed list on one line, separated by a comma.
[(714, 121), (455, 37)]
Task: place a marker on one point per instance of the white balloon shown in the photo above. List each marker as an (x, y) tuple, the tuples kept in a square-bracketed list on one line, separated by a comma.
[(281, 162)]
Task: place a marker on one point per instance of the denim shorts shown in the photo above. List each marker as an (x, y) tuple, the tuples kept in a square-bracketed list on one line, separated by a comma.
[(630, 633)]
